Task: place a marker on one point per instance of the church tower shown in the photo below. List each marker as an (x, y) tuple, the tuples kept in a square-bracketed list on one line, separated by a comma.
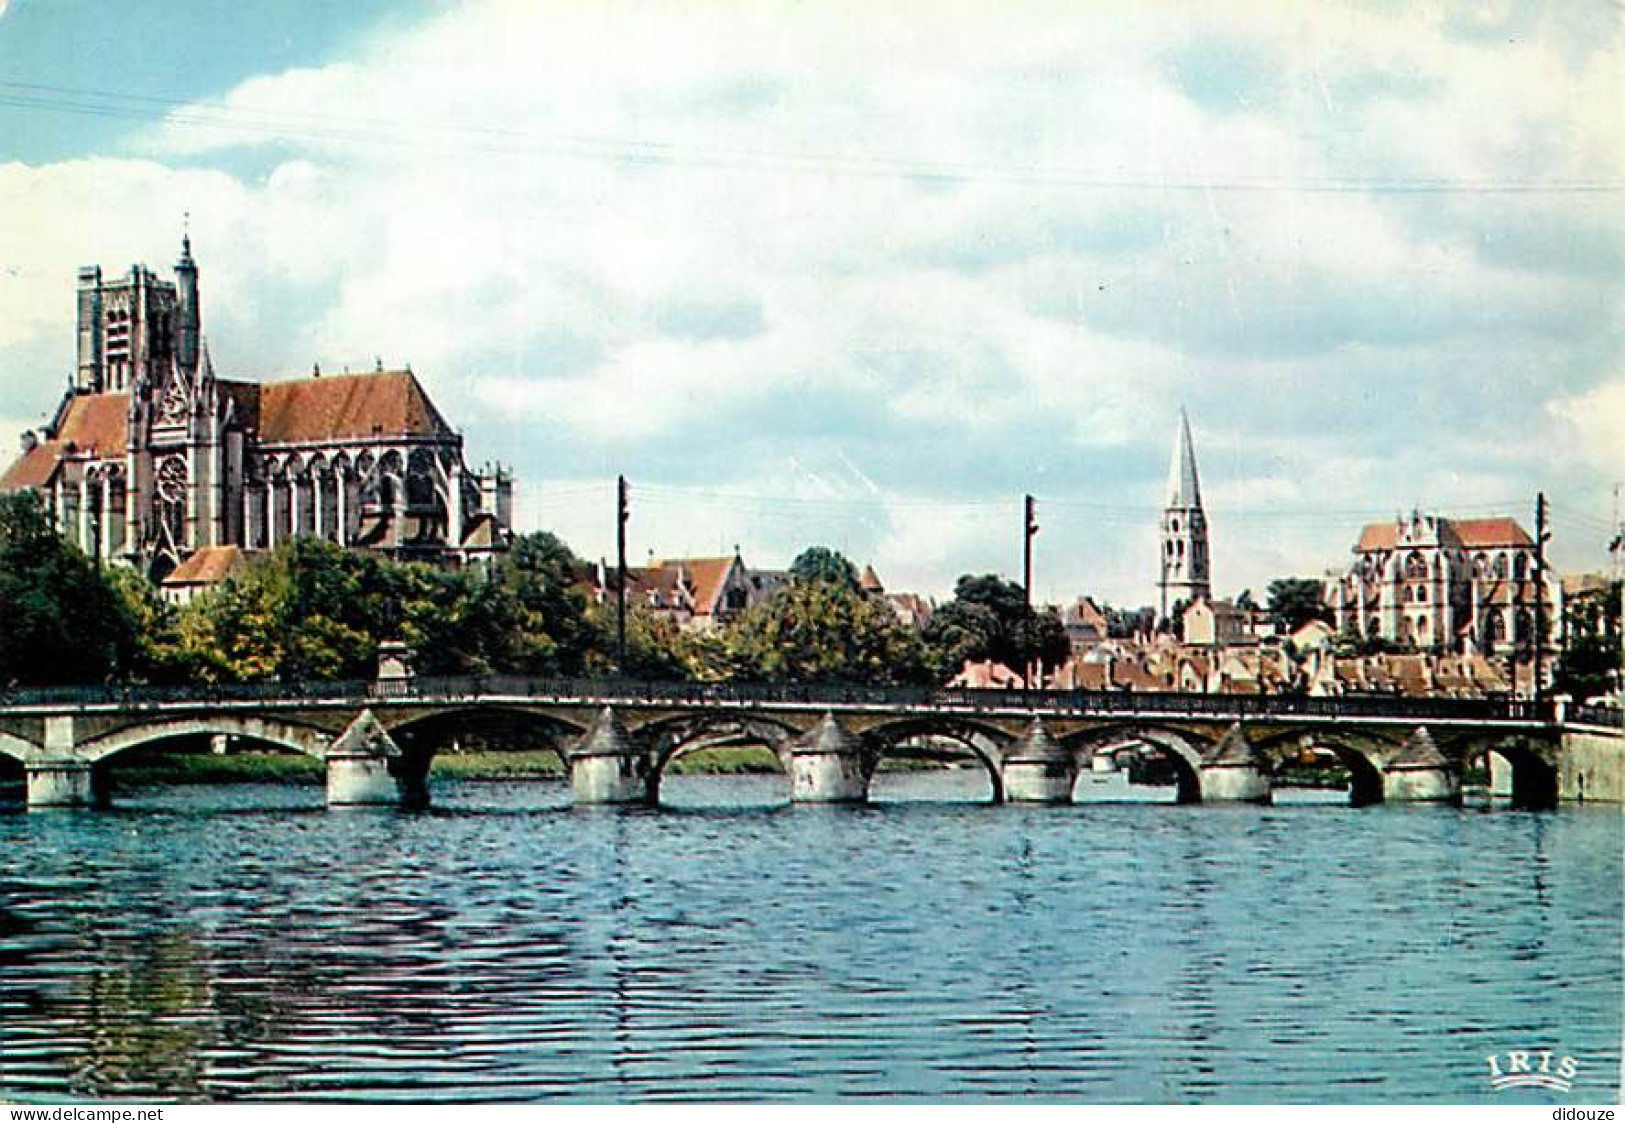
[(1184, 561)]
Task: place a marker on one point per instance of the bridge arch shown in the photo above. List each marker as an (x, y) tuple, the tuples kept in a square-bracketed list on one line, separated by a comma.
[(1534, 776), (421, 735), (16, 749), (1181, 747), (304, 739), (669, 739), (982, 740), (1363, 762)]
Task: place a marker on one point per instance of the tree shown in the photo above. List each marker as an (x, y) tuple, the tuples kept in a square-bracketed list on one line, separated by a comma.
[(820, 563), (989, 618), (62, 620), (656, 648), (1294, 601), (1589, 663), (822, 631), (551, 634)]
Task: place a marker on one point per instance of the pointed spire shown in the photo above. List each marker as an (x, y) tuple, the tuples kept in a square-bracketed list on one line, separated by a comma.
[(1037, 744), (1183, 488), (366, 736), (828, 736), (607, 737), (1419, 751), (1233, 749)]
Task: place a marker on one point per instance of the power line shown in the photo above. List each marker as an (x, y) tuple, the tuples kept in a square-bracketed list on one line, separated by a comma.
[(419, 131)]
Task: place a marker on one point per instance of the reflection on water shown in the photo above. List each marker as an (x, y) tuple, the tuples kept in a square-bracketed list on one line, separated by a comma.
[(242, 943)]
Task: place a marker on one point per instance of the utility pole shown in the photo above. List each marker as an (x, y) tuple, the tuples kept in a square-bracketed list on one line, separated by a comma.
[(1542, 536), (1617, 549), (1029, 527), (623, 512)]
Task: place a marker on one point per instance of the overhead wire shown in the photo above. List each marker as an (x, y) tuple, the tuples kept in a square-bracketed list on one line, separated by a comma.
[(428, 132)]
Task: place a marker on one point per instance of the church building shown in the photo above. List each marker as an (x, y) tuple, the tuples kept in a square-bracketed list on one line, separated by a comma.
[(1443, 584), (1184, 573), (151, 460)]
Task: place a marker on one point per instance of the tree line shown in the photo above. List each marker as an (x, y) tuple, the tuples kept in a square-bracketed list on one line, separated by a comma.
[(312, 611)]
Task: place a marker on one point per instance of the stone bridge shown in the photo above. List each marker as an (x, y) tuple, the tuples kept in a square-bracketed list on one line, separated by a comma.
[(377, 739)]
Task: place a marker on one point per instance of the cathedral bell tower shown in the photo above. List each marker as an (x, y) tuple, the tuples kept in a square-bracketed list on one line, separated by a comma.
[(1184, 559)]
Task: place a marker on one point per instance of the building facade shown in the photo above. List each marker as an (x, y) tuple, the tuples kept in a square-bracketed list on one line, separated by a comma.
[(151, 458), (1184, 574), (1441, 584)]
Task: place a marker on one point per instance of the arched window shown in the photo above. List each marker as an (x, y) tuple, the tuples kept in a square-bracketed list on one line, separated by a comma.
[(1373, 628), (1421, 596), (1416, 567), (1500, 567), (1498, 628), (1520, 566)]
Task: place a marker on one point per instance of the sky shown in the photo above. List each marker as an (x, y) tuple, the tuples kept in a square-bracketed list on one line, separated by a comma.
[(864, 275)]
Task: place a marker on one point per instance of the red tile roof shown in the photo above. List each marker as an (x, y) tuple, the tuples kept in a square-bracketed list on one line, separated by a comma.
[(347, 406), (33, 469), (1469, 533), (98, 422), (1490, 532), (208, 566)]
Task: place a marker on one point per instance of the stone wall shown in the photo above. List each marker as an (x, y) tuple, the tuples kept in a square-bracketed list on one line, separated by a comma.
[(1593, 767)]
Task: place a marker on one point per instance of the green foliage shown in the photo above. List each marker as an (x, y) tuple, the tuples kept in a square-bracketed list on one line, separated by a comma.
[(989, 618), (656, 648), (62, 620), (1294, 601), (821, 631), (313, 611), (820, 563), (1589, 664)]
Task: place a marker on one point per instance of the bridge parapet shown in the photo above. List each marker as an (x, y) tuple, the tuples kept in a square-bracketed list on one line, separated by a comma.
[(838, 697)]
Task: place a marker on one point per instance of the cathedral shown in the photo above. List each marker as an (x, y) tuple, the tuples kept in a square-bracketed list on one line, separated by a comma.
[(153, 461), (1445, 585)]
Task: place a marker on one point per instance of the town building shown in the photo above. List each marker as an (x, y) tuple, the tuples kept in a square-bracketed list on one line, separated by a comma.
[(694, 593), (1217, 623), (1184, 574), (151, 457), (1439, 584)]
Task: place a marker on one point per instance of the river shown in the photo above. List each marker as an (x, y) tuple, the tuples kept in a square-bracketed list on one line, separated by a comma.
[(241, 943)]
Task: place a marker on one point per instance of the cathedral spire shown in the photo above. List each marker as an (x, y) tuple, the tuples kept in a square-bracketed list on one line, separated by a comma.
[(1183, 488), (1183, 565)]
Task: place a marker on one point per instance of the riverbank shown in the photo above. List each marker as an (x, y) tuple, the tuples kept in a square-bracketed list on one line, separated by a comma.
[(287, 768)]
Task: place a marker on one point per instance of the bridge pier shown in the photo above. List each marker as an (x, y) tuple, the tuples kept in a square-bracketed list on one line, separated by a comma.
[(363, 766), (64, 783), (1233, 771), (607, 766), (1038, 769), (827, 766), (1420, 773)]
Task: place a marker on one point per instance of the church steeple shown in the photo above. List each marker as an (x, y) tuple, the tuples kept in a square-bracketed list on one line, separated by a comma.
[(1184, 490), (1183, 564), (189, 317)]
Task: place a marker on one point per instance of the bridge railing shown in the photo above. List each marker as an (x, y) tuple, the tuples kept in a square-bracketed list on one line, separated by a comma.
[(1609, 717), (617, 690)]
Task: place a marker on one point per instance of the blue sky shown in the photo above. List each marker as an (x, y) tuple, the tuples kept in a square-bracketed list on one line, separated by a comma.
[(817, 274)]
